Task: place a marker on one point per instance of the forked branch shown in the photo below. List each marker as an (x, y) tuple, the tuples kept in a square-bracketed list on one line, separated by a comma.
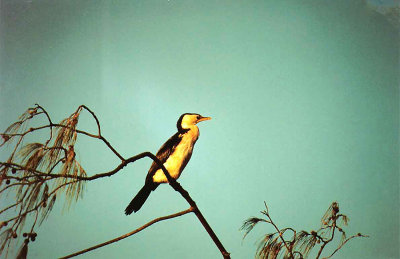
[(40, 171)]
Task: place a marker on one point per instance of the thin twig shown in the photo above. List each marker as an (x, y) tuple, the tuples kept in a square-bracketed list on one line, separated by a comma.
[(94, 116), (11, 206), (34, 223), (124, 162), (111, 148), (16, 184), (130, 233), (99, 136), (49, 126), (325, 242), (342, 244), (50, 123), (278, 231)]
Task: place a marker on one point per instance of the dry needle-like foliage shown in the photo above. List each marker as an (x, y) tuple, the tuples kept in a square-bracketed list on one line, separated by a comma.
[(288, 243), (36, 173)]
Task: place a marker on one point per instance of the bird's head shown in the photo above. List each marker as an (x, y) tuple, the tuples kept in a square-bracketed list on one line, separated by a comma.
[(188, 120)]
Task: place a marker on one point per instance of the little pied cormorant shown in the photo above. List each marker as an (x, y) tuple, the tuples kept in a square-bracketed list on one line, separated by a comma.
[(174, 154)]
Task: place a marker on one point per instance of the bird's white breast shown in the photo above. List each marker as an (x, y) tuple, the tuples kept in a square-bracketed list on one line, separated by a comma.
[(175, 161)]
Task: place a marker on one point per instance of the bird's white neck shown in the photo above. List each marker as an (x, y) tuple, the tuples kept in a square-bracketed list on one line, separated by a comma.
[(193, 132)]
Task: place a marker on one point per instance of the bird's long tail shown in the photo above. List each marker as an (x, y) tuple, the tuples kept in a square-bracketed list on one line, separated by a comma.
[(139, 199)]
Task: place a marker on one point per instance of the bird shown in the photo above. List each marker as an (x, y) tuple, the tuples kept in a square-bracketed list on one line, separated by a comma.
[(173, 154)]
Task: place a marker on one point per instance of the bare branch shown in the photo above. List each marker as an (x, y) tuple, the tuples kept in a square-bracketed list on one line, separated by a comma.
[(50, 122), (39, 160), (94, 116), (342, 244), (130, 233)]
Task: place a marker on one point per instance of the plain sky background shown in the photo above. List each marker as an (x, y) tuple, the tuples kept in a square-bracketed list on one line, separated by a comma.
[(304, 97)]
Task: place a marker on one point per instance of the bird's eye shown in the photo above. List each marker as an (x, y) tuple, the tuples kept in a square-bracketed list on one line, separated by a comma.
[(198, 117)]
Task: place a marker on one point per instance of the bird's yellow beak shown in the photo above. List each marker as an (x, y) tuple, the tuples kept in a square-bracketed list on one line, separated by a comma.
[(204, 119)]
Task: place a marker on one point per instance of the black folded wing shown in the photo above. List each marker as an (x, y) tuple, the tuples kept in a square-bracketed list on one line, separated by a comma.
[(165, 151)]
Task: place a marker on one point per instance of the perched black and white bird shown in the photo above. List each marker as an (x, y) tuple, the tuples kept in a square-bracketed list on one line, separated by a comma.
[(174, 154)]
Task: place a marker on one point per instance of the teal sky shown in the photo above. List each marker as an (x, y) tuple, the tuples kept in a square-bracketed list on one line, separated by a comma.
[(304, 97)]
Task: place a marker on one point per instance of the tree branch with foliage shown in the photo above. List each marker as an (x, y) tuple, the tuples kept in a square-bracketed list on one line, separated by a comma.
[(38, 173), (289, 243)]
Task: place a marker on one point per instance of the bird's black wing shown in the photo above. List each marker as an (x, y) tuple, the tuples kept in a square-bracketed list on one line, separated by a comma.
[(163, 154)]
